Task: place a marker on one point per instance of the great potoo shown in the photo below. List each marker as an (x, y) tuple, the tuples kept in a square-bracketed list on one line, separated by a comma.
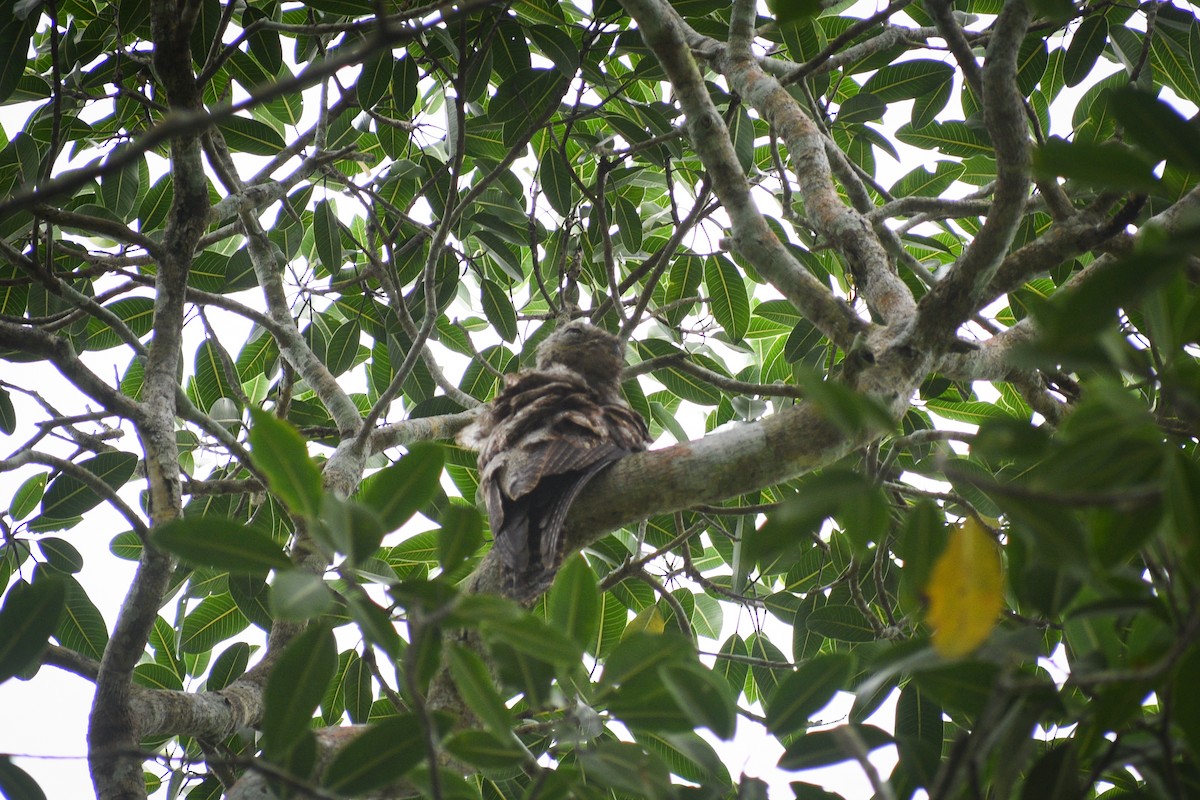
[(542, 439)]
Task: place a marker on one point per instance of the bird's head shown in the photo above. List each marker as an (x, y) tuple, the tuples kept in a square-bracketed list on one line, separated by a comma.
[(592, 352)]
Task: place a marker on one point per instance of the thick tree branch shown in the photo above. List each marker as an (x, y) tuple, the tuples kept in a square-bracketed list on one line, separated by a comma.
[(111, 725), (957, 296), (662, 30), (849, 231), (268, 270)]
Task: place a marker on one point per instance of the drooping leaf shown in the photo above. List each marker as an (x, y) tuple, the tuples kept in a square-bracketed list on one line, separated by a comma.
[(28, 617), (574, 602), (221, 544), (806, 691), (825, 747), (727, 294), (279, 451), (295, 687), (965, 591)]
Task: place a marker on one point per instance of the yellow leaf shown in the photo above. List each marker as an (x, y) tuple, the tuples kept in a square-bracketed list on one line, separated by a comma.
[(648, 620), (965, 591)]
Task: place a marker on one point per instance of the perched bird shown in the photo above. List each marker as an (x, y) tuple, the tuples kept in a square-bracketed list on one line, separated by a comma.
[(542, 439)]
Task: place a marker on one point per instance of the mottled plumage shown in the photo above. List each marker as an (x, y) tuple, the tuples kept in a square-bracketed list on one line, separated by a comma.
[(542, 439)]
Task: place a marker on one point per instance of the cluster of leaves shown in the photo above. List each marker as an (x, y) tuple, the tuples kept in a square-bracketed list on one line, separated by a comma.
[(470, 180)]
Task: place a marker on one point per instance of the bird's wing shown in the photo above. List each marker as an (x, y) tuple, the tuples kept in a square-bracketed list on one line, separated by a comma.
[(548, 434)]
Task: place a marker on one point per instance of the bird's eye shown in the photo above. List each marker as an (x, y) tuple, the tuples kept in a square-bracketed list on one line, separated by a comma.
[(573, 333)]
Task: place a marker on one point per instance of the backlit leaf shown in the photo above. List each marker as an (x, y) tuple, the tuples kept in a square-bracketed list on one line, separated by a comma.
[(965, 591)]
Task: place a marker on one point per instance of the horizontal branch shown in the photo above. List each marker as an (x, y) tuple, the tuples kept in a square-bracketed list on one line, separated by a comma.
[(752, 238)]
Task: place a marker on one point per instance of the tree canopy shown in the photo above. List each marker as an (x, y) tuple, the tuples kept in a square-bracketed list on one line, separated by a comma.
[(910, 299)]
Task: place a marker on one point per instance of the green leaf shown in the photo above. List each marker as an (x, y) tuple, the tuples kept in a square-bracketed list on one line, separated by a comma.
[(1156, 126), (682, 384), (327, 234), (1087, 43), (397, 492), (221, 544), (247, 135), (1102, 165), (475, 684), (136, 312), (298, 596), (157, 676), (8, 414), (357, 686), (822, 748), (923, 183), (14, 55), (460, 536), (862, 107), (732, 668), (791, 12), (68, 496), (557, 46), (625, 767), (574, 602), (81, 627), (28, 495), (29, 616), (405, 92), (781, 311), (16, 783), (689, 756), (280, 453), (229, 666), (800, 516), (499, 309), (954, 138), (375, 79), (554, 175), (727, 296), (486, 750), (708, 617), (908, 79), (214, 620), (919, 734), (842, 623), (119, 186), (704, 696), (376, 624), (341, 350), (1032, 59), (767, 678), (806, 691), (1174, 50), (642, 653), (294, 689), (350, 528), (629, 224), (741, 132), (534, 638)]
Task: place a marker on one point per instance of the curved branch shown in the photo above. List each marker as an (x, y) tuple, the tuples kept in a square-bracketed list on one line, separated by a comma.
[(752, 238), (849, 231), (23, 339), (956, 297)]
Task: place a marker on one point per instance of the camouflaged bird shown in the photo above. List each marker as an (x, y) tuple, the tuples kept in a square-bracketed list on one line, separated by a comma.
[(540, 441)]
